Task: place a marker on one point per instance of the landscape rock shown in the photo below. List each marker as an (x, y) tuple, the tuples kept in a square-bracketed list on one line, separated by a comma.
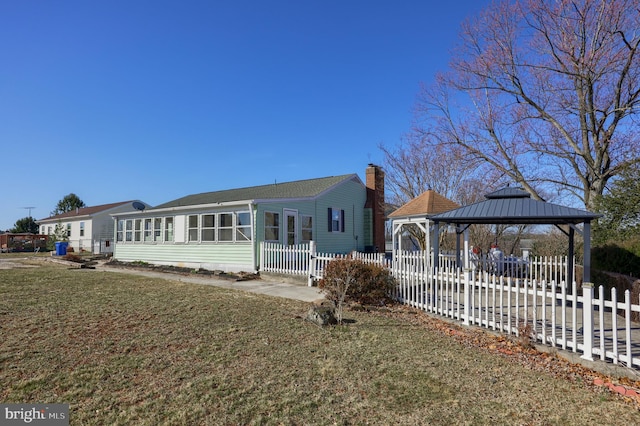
[(322, 313)]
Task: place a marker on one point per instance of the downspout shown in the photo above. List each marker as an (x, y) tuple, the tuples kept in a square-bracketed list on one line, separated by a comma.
[(114, 235), (353, 225)]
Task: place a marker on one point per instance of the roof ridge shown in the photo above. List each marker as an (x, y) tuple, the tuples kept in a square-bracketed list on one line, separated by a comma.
[(303, 188), (266, 185)]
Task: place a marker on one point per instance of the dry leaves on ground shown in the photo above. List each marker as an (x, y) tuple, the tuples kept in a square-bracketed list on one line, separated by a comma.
[(520, 351)]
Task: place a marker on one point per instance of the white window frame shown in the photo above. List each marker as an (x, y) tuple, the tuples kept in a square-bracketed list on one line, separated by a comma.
[(193, 230), (157, 229), (147, 230), (244, 231), (120, 231), (272, 227), (128, 231), (169, 229), (212, 229), (306, 229), (222, 230), (137, 230)]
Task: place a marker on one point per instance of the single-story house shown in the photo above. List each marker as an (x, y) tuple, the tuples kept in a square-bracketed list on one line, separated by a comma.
[(223, 230), (88, 228)]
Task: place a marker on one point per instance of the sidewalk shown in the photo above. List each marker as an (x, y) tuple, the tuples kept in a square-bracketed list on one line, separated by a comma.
[(269, 288)]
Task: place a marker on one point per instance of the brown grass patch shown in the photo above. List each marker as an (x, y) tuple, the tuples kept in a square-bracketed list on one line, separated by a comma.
[(124, 349)]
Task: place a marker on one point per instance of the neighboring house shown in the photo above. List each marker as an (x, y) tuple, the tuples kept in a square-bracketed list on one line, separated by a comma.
[(223, 230), (88, 228)]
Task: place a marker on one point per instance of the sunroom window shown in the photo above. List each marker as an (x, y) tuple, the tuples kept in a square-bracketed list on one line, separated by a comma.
[(243, 226), (208, 232), (225, 228), (193, 228)]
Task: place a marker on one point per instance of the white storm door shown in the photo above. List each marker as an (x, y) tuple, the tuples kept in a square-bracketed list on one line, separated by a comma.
[(290, 227)]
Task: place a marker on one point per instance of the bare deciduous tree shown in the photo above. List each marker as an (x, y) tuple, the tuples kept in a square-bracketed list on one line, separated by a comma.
[(545, 92), (416, 165)]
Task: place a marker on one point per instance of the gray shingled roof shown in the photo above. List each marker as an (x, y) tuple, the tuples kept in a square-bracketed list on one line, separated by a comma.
[(515, 206), (309, 188), (84, 211)]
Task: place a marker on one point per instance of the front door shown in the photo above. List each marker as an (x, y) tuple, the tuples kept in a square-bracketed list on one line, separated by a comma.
[(291, 227)]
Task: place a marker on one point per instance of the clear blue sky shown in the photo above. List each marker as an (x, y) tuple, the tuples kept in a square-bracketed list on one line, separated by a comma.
[(154, 100)]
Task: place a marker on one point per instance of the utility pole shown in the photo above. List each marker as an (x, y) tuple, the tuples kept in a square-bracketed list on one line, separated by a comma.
[(29, 208)]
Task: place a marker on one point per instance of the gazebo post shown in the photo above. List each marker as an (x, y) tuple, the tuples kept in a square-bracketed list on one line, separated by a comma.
[(436, 245), (427, 246), (465, 234), (586, 263), (572, 257), (458, 259)]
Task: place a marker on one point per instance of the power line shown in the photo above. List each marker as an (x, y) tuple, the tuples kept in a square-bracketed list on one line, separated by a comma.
[(29, 208)]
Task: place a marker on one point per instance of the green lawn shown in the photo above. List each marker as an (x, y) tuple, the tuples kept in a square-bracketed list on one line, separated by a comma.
[(123, 349)]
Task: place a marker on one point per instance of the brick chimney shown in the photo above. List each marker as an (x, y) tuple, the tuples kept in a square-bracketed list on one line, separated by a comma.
[(375, 201)]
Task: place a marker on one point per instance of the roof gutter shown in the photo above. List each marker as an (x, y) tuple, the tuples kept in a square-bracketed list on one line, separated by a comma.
[(187, 208), (63, 219)]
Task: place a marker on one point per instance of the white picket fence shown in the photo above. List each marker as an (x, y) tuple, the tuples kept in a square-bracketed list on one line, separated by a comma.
[(534, 300), (304, 260), (548, 311)]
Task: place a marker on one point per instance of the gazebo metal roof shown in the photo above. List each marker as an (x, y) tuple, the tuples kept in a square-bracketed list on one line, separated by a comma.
[(514, 206), (511, 206)]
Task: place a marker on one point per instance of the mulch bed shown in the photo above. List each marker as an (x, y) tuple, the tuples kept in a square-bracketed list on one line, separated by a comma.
[(143, 266)]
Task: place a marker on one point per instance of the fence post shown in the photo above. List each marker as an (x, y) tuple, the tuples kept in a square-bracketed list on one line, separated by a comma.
[(262, 262), (311, 263), (587, 321), (467, 296)]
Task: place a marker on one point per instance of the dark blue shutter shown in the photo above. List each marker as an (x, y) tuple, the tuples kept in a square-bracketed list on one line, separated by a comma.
[(342, 220), (330, 219)]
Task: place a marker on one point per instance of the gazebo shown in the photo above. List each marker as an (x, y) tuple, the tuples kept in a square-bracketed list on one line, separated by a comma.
[(418, 212), (514, 206)]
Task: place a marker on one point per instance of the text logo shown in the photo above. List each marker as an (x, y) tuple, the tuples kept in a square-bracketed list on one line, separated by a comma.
[(35, 414)]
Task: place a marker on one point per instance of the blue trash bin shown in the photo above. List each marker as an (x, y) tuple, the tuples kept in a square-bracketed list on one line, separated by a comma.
[(61, 248)]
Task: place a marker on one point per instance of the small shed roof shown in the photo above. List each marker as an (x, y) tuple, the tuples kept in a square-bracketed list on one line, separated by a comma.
[(511, 206), (426, 204)]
